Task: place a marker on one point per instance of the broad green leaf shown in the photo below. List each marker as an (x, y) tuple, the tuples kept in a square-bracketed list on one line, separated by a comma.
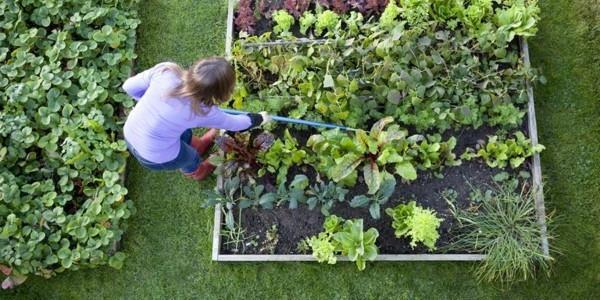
[(394, 96), (345, 166), (387, 187), (372, 177), (328, 81), (379, 125), (360, 201), (300, 182), (375, 210), (406, 170)]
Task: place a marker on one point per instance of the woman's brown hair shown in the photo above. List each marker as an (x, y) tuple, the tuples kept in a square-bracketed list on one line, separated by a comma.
[(207, 82)]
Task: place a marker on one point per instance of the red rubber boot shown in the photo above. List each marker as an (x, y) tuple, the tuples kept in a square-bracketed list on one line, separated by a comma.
[(202, 144), (203, 170)]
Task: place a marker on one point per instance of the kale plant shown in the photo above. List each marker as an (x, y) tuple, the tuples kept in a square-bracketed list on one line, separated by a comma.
[(325, 195), (376, 201)]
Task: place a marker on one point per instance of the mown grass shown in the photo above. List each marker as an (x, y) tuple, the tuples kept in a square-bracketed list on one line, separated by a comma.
[(168, 240)]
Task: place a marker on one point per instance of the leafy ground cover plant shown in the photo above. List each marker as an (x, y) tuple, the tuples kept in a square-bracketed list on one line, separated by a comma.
[(419, 224), (505, 227), (345, 237), (498, 153), (62, 206)]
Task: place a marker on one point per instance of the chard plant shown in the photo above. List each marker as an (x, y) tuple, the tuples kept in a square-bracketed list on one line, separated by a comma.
[(419, 224), (280, 156), (498, 153), (340, 155), (345, 237)]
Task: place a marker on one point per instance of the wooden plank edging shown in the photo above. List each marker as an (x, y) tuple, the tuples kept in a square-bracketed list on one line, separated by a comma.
[(538, 187), (381, 257), (229, 32)]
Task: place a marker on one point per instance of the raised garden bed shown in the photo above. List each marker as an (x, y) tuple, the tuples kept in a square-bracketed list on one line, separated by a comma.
[(274, 234)]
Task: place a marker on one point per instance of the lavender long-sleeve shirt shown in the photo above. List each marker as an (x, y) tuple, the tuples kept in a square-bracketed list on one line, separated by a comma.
[(155, 124)]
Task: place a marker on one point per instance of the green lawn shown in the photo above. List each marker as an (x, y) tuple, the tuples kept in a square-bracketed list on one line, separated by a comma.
[(168, 240)]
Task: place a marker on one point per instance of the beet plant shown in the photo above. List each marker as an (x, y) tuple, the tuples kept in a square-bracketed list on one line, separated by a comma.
[(240, 153)]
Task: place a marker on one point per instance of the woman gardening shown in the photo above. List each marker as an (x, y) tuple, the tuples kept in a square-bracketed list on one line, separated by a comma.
[(170, 102)]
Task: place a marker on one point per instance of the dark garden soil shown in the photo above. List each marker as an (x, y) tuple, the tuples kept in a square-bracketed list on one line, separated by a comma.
[(293, 225)]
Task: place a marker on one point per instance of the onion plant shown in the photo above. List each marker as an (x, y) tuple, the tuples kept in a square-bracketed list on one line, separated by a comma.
[(506, 228)]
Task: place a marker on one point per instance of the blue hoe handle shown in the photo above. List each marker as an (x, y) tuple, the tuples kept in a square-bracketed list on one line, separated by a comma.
[(291, 120)]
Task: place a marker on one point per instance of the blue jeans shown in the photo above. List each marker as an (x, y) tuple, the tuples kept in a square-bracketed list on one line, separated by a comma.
[(187, 160)]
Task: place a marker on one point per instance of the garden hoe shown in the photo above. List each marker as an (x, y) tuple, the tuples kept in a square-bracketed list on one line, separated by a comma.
[(292, 121)]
